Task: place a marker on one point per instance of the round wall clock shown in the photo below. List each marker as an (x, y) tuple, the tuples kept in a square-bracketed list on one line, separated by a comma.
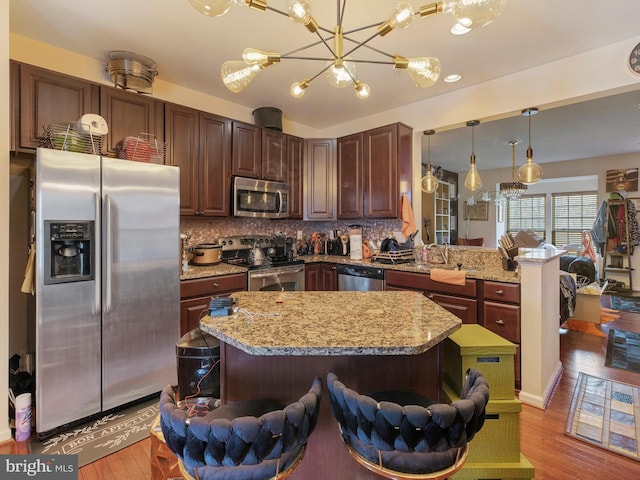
[(634, 60)]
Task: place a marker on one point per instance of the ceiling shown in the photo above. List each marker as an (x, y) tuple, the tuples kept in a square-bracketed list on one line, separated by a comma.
[(189, 49)]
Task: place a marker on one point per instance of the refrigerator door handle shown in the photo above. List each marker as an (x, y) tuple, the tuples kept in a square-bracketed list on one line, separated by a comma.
[(96, 256), (107, 253)]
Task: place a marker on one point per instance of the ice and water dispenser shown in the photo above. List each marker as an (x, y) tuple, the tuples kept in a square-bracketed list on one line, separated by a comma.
[(68, 256)]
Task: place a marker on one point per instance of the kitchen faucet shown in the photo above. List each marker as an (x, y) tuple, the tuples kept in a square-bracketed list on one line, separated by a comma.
[(444, 252)]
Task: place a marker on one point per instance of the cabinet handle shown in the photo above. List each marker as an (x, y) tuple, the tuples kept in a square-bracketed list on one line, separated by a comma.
[(500, 322), (499, 292), (216, 285), (429, 295)]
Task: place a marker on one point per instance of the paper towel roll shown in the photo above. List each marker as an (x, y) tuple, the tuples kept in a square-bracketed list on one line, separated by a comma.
[(93, 124)]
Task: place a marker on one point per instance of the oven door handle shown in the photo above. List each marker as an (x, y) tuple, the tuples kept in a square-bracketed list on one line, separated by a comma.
[(273, 272)]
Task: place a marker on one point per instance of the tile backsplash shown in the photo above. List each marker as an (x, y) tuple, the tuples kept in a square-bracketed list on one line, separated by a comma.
[(208, 230)]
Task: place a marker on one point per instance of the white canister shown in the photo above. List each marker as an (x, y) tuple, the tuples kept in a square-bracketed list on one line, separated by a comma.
[(23, 417), (355, 242)]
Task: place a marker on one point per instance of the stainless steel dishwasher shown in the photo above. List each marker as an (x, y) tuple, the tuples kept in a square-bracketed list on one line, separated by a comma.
[(362, 278)]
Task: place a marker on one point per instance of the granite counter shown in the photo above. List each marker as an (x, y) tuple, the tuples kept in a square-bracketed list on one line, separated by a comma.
[(333, 323), (372, 340)]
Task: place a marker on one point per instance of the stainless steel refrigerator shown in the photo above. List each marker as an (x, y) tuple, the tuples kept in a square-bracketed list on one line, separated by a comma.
[(107, 283)]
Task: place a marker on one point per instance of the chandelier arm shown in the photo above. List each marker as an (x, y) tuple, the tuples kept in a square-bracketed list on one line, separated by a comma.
[(275, 10), (361, 44), (340, 16), (372, 62), (311, 45), (319, 59)]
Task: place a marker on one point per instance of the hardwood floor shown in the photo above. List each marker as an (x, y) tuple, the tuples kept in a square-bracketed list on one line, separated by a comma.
[(554, 455)]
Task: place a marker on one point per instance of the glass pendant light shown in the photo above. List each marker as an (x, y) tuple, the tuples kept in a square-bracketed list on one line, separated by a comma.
[(530, 172), (424, 71), (473, 181), (474, 14), (429, 181), (298, 88), (236, 75), (212, 8), (513, 189)]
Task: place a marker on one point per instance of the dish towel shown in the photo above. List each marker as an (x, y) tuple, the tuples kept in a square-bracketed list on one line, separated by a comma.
[(408, 223), (453, 277), (28, 285)]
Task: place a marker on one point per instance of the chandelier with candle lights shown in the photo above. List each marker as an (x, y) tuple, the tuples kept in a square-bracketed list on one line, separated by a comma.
[(339, 66)]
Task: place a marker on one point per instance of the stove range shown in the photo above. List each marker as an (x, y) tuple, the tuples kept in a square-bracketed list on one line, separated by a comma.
[(276, 251), (277, 271)]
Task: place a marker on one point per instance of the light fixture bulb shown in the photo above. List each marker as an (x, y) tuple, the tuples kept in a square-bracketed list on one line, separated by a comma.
[(459, 29), (429, 182), (338, 76), (474, 14), (473, 181), (236, 75), (530, 172), (424, 71), (362, 90), (402, 16), (298, 88), (212, 8), (253, 56), (299, 11)]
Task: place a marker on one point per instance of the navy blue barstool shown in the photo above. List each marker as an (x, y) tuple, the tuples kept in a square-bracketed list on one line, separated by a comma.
[(409, 440), (245, 440)]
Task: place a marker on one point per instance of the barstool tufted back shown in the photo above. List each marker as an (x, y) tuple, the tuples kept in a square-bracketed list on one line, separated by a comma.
[(388, 438), (247, 440)]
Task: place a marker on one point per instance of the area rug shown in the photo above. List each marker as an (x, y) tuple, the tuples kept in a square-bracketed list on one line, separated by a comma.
[(625, 303), (606, 414), (623, 350), (102, 436)]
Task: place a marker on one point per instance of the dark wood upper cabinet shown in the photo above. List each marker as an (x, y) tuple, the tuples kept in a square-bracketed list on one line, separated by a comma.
[(246, 150), (320, 179), (181, 130), (50, 98), (349, 171), (274, 155), (215, 165), (386, 169), (374, 169), (200, 144), (127, 114), (295, 154)]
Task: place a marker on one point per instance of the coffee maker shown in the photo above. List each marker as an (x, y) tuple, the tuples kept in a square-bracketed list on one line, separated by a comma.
[(68, 257)]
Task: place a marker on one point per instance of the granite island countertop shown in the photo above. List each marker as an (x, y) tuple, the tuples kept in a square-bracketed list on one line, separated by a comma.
[(333, 323)]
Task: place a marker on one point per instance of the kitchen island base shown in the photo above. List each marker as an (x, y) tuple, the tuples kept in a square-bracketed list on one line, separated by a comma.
[(285, 378)]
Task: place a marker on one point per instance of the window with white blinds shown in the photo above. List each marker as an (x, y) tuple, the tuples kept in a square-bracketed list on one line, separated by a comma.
[(572, 213), (527, 212)]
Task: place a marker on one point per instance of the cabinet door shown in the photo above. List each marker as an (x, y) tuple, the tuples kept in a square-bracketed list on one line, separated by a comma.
[(330, 277), (127, 114), (312, 280), (381, 191), (246, 150), (320, 179), (49, 98), (191, 312), (181, 126), (349, 172), (295, 154), (466, 309), (215, 165), (503, 319), (274, 155)]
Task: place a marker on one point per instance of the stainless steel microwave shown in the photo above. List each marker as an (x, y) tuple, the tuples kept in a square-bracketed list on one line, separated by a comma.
[(260, 198)]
